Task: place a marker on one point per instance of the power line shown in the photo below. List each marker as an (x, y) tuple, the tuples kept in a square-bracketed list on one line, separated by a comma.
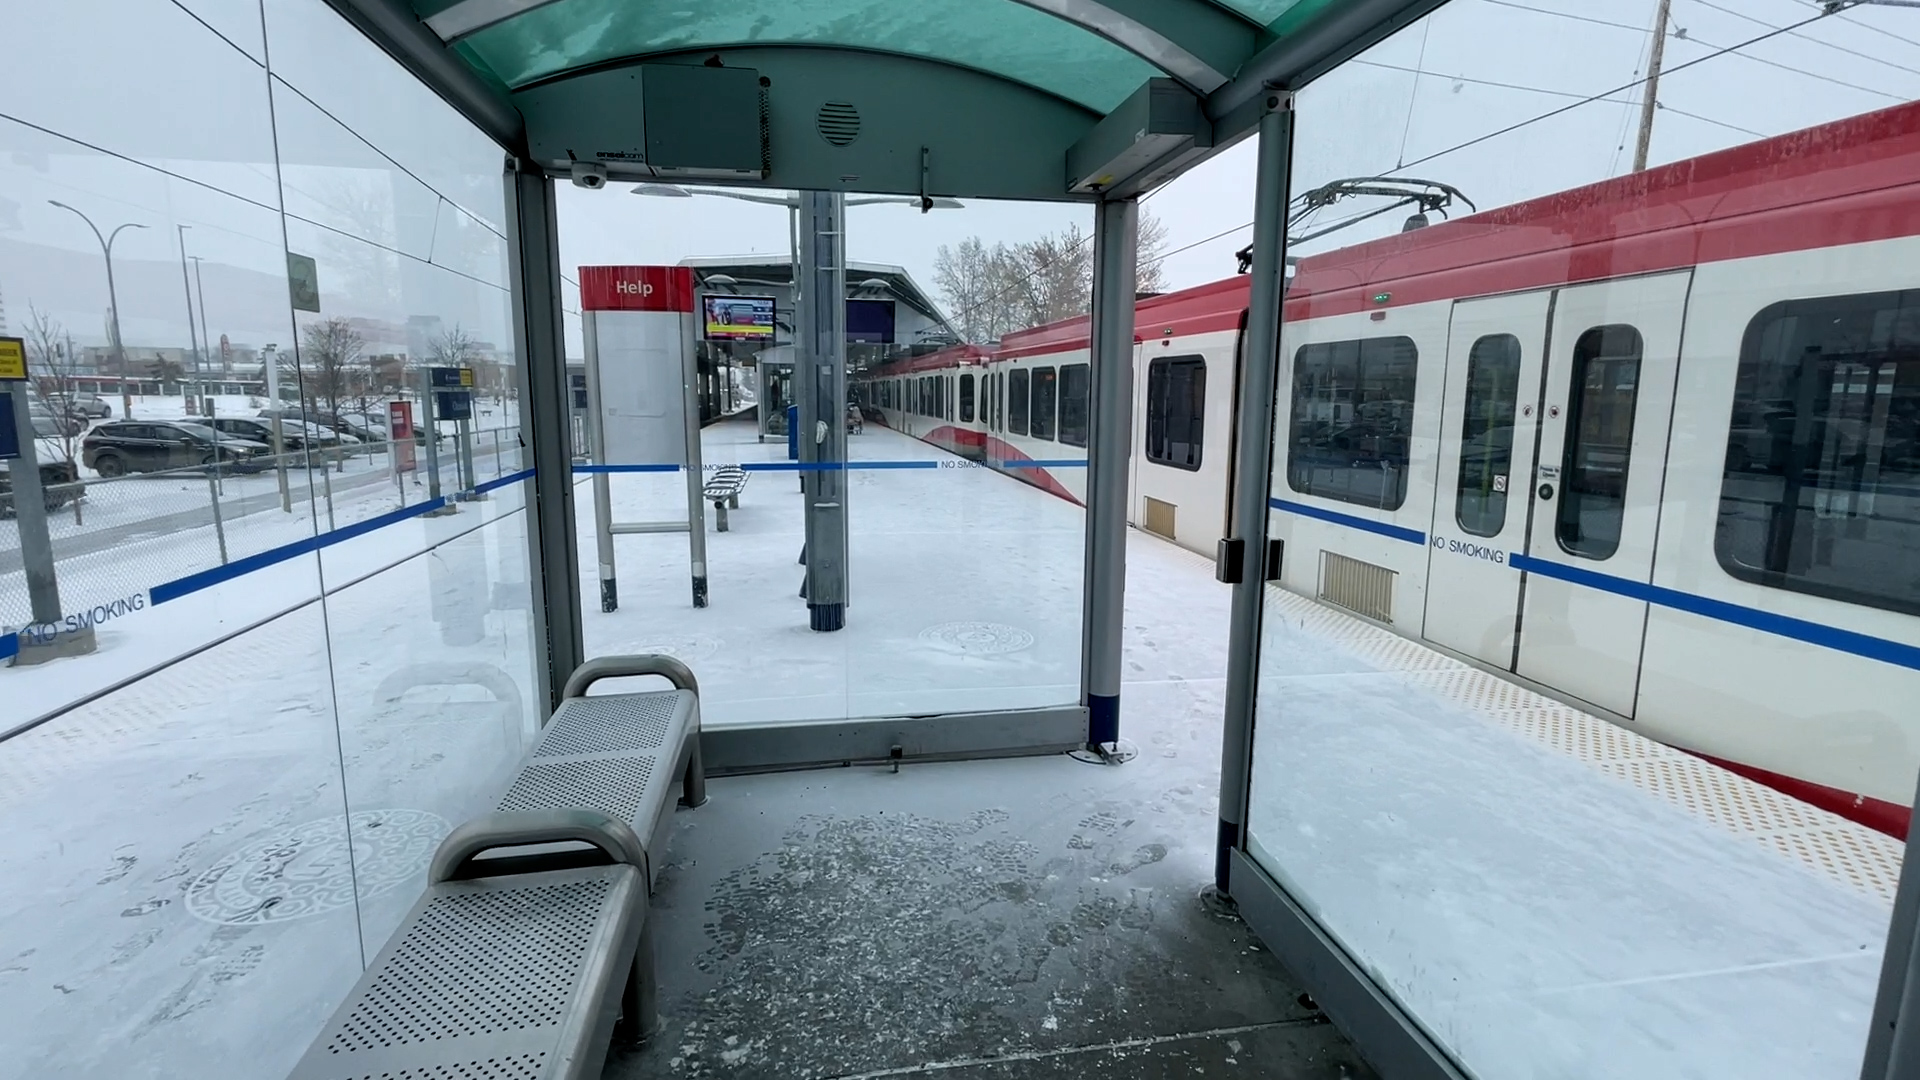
[(1841, 15), (1569, 15), (1798, 71), (1561, 93), (1809, 37)]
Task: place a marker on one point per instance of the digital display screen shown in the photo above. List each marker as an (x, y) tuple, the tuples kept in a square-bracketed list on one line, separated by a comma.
[(738, 318), (870, 322)]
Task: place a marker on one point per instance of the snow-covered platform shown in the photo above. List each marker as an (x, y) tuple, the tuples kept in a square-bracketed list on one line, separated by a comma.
[(964, 587)]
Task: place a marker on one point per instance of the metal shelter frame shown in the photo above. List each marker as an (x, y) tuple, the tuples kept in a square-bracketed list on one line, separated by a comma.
[(1220, 77)]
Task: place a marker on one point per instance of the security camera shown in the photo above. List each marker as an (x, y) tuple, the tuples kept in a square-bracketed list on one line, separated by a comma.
[(589, 175)]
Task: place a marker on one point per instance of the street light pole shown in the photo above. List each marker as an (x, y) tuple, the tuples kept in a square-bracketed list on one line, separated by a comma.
[(186, 286), (206, 343), (113, 298)]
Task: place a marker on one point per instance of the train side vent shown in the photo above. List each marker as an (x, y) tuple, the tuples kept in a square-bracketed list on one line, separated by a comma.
[(1360, 587), (838, 122), (1159, 517)]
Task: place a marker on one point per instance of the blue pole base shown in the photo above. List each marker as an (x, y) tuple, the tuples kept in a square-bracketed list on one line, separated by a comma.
[(609, 595), (826, 616), (699, 592)]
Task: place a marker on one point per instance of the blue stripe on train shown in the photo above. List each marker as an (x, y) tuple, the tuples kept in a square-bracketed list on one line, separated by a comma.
[(1812, 633)]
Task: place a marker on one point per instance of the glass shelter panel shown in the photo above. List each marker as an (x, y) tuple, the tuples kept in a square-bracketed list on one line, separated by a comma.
[(272, 670), (1597, 540), (965, 538)]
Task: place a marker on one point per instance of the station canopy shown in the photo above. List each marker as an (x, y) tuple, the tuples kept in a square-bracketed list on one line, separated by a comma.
[(989, 98)]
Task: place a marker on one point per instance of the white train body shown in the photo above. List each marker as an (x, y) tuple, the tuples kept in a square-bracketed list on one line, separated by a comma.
[(1652, 446)]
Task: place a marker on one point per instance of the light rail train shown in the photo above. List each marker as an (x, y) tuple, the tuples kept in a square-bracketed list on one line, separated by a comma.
[(1651, 445)]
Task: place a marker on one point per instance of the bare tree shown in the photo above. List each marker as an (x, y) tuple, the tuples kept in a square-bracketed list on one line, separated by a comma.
[(993, 291), (53, 363), (1150, 247), (330, 352)]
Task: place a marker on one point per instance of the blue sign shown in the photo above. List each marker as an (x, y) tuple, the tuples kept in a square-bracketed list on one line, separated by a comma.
[(450, 378), (9, 434), (452, 405)]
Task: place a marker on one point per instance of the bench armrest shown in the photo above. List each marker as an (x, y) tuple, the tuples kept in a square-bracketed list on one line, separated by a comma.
[(614, 667), (526, 827)]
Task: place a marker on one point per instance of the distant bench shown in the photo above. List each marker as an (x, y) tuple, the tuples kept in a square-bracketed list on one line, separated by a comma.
[(532, 941), (723, 490)]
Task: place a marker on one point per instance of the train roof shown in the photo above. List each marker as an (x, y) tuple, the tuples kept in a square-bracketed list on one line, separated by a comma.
[(951, 356), (1846, 182), (1839, 183)]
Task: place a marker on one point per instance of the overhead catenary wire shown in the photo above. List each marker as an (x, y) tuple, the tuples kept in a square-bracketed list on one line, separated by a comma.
[(1807, 37), (1467, 144)]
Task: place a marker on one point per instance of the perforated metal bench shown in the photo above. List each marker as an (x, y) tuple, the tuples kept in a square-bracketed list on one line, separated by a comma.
[(520, 973), (723, 490)]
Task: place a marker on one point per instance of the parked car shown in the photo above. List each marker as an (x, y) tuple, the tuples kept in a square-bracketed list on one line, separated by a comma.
[(59, 476), (295, 435), (66, 423), (123, 446), (85, 406)]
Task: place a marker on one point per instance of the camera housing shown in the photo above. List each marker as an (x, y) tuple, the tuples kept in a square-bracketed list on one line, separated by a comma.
[(589, 175)]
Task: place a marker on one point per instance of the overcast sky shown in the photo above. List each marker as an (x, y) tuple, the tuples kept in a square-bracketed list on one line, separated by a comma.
[(399, 202)]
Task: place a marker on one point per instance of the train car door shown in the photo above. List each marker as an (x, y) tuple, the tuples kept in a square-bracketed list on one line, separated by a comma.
[(1595, 499), (1488, 425)]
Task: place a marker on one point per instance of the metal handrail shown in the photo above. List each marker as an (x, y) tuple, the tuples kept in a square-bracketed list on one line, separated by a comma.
[(615, 667), (524, 828)]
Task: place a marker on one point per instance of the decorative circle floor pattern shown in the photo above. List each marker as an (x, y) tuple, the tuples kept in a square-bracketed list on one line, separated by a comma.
[(306, 871), (977, 638)]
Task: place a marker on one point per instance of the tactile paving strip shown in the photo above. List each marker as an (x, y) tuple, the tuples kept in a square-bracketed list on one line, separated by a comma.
[(1844, 851)]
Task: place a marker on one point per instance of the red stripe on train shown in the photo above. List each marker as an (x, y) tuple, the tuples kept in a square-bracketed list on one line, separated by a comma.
[(1876, 814)]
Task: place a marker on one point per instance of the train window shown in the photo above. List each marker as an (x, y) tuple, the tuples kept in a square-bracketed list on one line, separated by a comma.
[(1017, 401), (1076, 385), (1352, 420), (966, 399), (1593, 471), (1046, 390), (1486, 435), (1176, 410), (1821, 491)]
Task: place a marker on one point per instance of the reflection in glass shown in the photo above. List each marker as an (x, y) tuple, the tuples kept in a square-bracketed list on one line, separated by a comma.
[(1605, 385), (1486, 439), (1822, 487)]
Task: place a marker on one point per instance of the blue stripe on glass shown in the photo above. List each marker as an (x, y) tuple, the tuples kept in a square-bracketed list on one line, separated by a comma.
[(1379, 528), (625, 468), (9, 646)]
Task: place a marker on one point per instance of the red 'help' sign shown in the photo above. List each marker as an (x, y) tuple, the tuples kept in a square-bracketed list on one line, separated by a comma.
[(636, 288)]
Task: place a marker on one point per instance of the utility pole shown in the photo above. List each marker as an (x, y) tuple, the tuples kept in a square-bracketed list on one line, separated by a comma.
[(1651, 100)]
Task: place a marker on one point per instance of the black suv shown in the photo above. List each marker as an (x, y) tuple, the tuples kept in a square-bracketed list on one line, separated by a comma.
[(124, 446), (296, 436)]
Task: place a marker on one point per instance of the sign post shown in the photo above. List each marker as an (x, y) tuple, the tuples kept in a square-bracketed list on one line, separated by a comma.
[(44, 640), (643, 398), (453, 400), (400, 444)]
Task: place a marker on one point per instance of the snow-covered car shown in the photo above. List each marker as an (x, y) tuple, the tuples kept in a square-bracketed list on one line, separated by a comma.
[(59, 475)]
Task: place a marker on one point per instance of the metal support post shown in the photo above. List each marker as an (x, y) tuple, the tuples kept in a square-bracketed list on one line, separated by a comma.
[(602, 483), (1253, 464), (433, 440), (469, 479), (696, 467), (533, 267), (1114, 233), (44, 640), (1893, 1034), (279, 441), (820, 388)]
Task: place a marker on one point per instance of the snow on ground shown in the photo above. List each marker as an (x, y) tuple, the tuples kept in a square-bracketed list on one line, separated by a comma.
[(176, 896), (964, 588)]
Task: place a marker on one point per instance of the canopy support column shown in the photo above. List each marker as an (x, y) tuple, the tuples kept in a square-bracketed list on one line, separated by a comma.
[(1244, 555), (1114, 234), (546, 431), (820, 389)]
